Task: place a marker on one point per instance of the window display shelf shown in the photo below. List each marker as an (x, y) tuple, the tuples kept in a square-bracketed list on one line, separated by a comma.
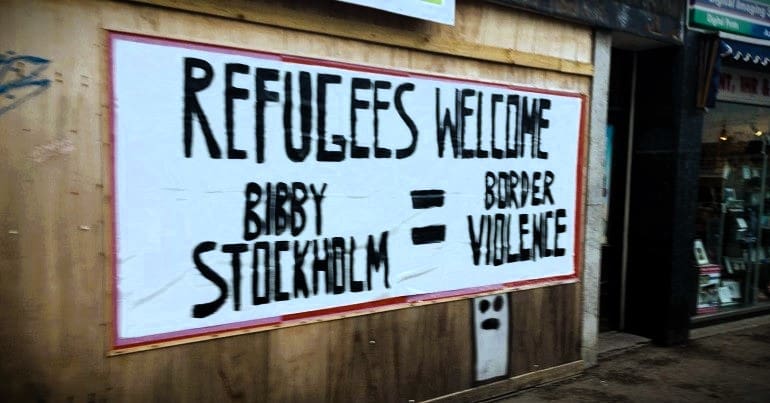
[(732, 222)]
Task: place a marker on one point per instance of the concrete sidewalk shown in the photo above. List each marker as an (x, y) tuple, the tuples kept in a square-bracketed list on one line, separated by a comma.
[(724, 363)]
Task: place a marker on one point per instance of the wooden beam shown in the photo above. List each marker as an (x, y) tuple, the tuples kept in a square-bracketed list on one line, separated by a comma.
[(507, 386), (300, 19)]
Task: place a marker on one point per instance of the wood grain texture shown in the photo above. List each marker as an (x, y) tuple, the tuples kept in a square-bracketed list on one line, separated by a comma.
[(482, 31), (55, 217), (300, 362), (51, 210), (434, 346), (229, 369), (506, 386), (546, 327)]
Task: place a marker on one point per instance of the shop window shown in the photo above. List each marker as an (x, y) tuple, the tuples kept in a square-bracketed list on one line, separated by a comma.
[(732, 245)]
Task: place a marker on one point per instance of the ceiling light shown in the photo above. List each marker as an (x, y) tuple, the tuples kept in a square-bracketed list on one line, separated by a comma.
[(723, 134)]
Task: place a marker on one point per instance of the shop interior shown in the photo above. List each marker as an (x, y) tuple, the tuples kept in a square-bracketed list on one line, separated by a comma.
[(732, 237)]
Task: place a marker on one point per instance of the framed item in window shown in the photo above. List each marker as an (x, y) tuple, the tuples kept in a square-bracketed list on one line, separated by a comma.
[(734, 264), (729, 194), (700, 253)]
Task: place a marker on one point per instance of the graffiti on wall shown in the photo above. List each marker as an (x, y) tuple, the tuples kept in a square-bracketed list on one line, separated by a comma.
[(21, 78), (58, 147), (492, 337)]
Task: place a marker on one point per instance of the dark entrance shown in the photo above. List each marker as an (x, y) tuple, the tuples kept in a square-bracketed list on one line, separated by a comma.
[(647, 279)]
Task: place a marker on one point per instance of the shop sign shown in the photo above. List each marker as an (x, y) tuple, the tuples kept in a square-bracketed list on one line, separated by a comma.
[(744, 86), (442, 11), (743, 17), (256, 189)]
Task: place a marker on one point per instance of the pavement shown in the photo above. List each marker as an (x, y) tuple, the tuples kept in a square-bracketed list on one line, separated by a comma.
[(724, 363)]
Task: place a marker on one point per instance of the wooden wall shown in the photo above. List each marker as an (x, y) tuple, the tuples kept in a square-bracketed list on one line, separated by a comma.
[(55, 225)]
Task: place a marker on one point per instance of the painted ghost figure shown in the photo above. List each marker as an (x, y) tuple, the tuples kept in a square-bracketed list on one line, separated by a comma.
[(491, 331)]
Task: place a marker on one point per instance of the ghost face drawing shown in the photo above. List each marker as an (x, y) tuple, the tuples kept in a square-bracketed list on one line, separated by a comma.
[(491, 330)]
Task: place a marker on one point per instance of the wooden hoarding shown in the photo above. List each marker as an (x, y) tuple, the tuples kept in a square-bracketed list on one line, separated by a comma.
[(62, 157)]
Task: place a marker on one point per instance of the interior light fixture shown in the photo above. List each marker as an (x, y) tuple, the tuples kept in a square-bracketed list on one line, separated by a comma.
[(723, 134)]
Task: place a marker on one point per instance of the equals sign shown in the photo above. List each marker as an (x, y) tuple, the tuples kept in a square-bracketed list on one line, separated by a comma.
[(425, 199)]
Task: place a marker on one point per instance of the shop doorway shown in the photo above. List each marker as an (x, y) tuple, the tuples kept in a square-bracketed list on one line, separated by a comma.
[(639, 104)]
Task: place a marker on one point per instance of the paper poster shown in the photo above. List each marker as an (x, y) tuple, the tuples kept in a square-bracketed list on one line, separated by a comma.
[(254, 188), (442, 11)]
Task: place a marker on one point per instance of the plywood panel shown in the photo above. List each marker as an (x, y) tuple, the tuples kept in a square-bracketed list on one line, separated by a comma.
[(353, 361), (50, 209), (546, 327), (229, 369), (388, 356), (196, 28), (482, 30), (300, 363), (493, 391), (54, 233), (435, 347)]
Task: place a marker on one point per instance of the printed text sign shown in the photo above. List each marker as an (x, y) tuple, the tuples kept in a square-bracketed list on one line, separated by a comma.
[(442, 11), (254, 188)]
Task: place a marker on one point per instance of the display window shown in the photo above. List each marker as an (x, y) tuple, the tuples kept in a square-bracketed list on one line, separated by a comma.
[(731, 250)]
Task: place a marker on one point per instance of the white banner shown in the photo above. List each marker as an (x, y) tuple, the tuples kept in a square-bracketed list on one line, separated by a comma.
[(442, 11), (255, 188)]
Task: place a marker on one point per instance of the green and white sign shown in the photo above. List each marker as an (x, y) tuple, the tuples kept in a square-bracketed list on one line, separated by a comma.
[(742, 17)]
